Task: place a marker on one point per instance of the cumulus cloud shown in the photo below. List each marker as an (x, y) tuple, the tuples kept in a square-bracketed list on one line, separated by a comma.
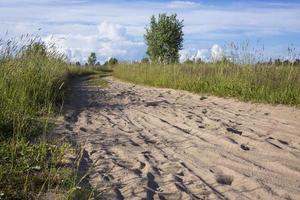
[(217, 53), (111, 40), (184, 55), (202, 54), (205, 23), (111, 31), (192, 54)]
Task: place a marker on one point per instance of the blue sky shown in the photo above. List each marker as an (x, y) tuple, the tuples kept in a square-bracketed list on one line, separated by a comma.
[(116, 27)]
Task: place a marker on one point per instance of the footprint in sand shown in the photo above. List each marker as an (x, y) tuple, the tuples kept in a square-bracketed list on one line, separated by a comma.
[(224, 179), (244, 147), (233, 130)]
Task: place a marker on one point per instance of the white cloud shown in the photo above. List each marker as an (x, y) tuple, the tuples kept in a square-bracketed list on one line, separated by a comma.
[(202, 54), (217, 53), (123, 23), (111, 31), (111, 40), (182, 4), (184, 55)]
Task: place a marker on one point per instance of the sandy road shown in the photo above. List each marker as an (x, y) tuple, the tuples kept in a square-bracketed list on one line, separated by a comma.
[(152, 143)]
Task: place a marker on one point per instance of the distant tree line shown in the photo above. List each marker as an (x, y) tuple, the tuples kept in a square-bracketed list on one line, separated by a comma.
[(282, 62), (113, 61), (92, 61), (164, 40)]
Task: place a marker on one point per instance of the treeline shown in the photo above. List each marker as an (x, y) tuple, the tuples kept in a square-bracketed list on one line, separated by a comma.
[(278, 62), (92, 61)]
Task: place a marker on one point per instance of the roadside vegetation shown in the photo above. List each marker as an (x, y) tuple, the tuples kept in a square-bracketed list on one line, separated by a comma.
[(267, 83), (244, 78), (34, 82)]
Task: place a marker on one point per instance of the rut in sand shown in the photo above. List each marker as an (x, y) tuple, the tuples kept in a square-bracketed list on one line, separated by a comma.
[(149, 143)]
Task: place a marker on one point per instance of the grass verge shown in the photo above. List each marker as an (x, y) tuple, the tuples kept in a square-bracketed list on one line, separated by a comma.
[(97, 79), (275, 84), (34, 81)]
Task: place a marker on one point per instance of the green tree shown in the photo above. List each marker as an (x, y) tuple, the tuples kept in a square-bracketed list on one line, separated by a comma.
[(164, 38), (198, 61), (145, 60), (188, 61), (111, 61), (92, 59)]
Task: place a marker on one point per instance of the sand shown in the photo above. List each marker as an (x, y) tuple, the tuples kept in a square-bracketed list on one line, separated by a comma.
[(149, 143)]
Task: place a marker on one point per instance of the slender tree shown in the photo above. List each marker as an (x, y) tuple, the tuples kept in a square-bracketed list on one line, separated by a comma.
[(92, 59), (164, 38)]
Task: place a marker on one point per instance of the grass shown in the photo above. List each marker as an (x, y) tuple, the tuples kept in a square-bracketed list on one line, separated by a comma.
[(97, 79), (275, 84), (34, 82)]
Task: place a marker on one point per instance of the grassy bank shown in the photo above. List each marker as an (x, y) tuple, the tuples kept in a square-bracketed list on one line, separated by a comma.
[(276, 84), (34, 81)]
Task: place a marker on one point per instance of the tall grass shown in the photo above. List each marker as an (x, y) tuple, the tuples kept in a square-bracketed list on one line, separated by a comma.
[(33, 84), (276, 84)]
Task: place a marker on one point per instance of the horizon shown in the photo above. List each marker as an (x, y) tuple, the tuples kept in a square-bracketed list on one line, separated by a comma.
[(116, 28)]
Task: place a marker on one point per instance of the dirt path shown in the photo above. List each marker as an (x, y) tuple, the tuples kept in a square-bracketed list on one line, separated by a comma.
[(152, 143)]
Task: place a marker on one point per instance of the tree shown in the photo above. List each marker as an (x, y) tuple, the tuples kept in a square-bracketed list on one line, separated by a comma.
[(199, 61), (188, 61), (297, 62), (145, 60), (164, 38), (92, 59), (111, 61), (277, 61)]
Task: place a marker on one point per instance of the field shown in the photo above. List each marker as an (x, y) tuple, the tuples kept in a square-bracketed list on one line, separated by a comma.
[(268, 83)]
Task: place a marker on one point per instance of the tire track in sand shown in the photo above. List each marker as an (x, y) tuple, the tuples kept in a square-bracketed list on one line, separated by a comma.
[(148, 143)]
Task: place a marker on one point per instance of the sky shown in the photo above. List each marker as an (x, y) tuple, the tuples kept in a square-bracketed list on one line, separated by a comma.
[(115, 28)]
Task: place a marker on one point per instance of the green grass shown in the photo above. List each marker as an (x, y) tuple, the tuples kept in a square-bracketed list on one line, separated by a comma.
[(97, 79), (34, 82), (275, 84)]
